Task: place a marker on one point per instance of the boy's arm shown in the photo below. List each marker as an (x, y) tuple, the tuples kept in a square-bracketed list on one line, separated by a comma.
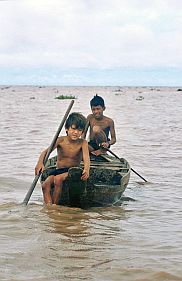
[(40, 163), (86, 160), (112, 133), (113, 136)]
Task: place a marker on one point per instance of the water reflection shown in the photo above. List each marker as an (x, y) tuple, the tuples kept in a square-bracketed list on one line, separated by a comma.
[(75, 222), (67, 221), (85, 239)]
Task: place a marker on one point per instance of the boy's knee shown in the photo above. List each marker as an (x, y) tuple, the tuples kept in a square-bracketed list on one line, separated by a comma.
[(45, 186), (58, 180)]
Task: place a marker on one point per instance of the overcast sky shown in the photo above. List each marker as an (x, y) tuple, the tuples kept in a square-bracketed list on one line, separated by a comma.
[(91, 42)]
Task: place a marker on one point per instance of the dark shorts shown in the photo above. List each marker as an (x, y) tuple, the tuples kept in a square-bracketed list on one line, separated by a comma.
[(58, 171), (94, 145)]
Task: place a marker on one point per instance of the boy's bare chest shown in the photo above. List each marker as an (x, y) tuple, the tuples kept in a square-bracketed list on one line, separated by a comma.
[(69, 150), (103, 123)]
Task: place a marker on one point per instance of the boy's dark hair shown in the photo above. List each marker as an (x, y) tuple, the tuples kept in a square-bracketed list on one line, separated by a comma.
[(97, 100), (76, 119)]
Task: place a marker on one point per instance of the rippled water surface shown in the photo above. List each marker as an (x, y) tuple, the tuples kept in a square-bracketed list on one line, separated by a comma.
[(138, 240)]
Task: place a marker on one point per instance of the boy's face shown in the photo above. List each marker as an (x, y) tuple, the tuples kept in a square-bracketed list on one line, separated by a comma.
[(97, 111), (74, 133)]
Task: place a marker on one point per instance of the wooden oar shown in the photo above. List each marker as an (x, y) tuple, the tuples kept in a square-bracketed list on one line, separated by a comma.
[(120, 160), (29, 193)]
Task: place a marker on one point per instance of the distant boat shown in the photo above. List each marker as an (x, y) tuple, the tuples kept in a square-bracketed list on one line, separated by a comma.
[(108, 180)]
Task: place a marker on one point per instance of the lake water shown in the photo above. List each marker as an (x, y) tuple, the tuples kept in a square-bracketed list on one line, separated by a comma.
[(138, 240)]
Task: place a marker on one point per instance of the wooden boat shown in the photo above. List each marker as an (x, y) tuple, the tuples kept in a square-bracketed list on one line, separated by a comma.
[(108, 180)]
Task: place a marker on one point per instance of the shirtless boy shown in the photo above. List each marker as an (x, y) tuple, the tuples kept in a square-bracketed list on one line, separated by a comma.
[(100, 127), (71, 149)]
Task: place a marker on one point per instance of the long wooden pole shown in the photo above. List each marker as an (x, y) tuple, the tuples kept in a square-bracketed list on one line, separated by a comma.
[(120, 160), (31, 189)]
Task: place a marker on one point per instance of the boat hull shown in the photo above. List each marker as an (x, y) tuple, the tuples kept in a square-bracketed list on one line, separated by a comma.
[(107, 182)]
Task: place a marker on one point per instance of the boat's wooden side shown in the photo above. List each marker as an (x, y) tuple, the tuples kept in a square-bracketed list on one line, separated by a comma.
[(107, 181)]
